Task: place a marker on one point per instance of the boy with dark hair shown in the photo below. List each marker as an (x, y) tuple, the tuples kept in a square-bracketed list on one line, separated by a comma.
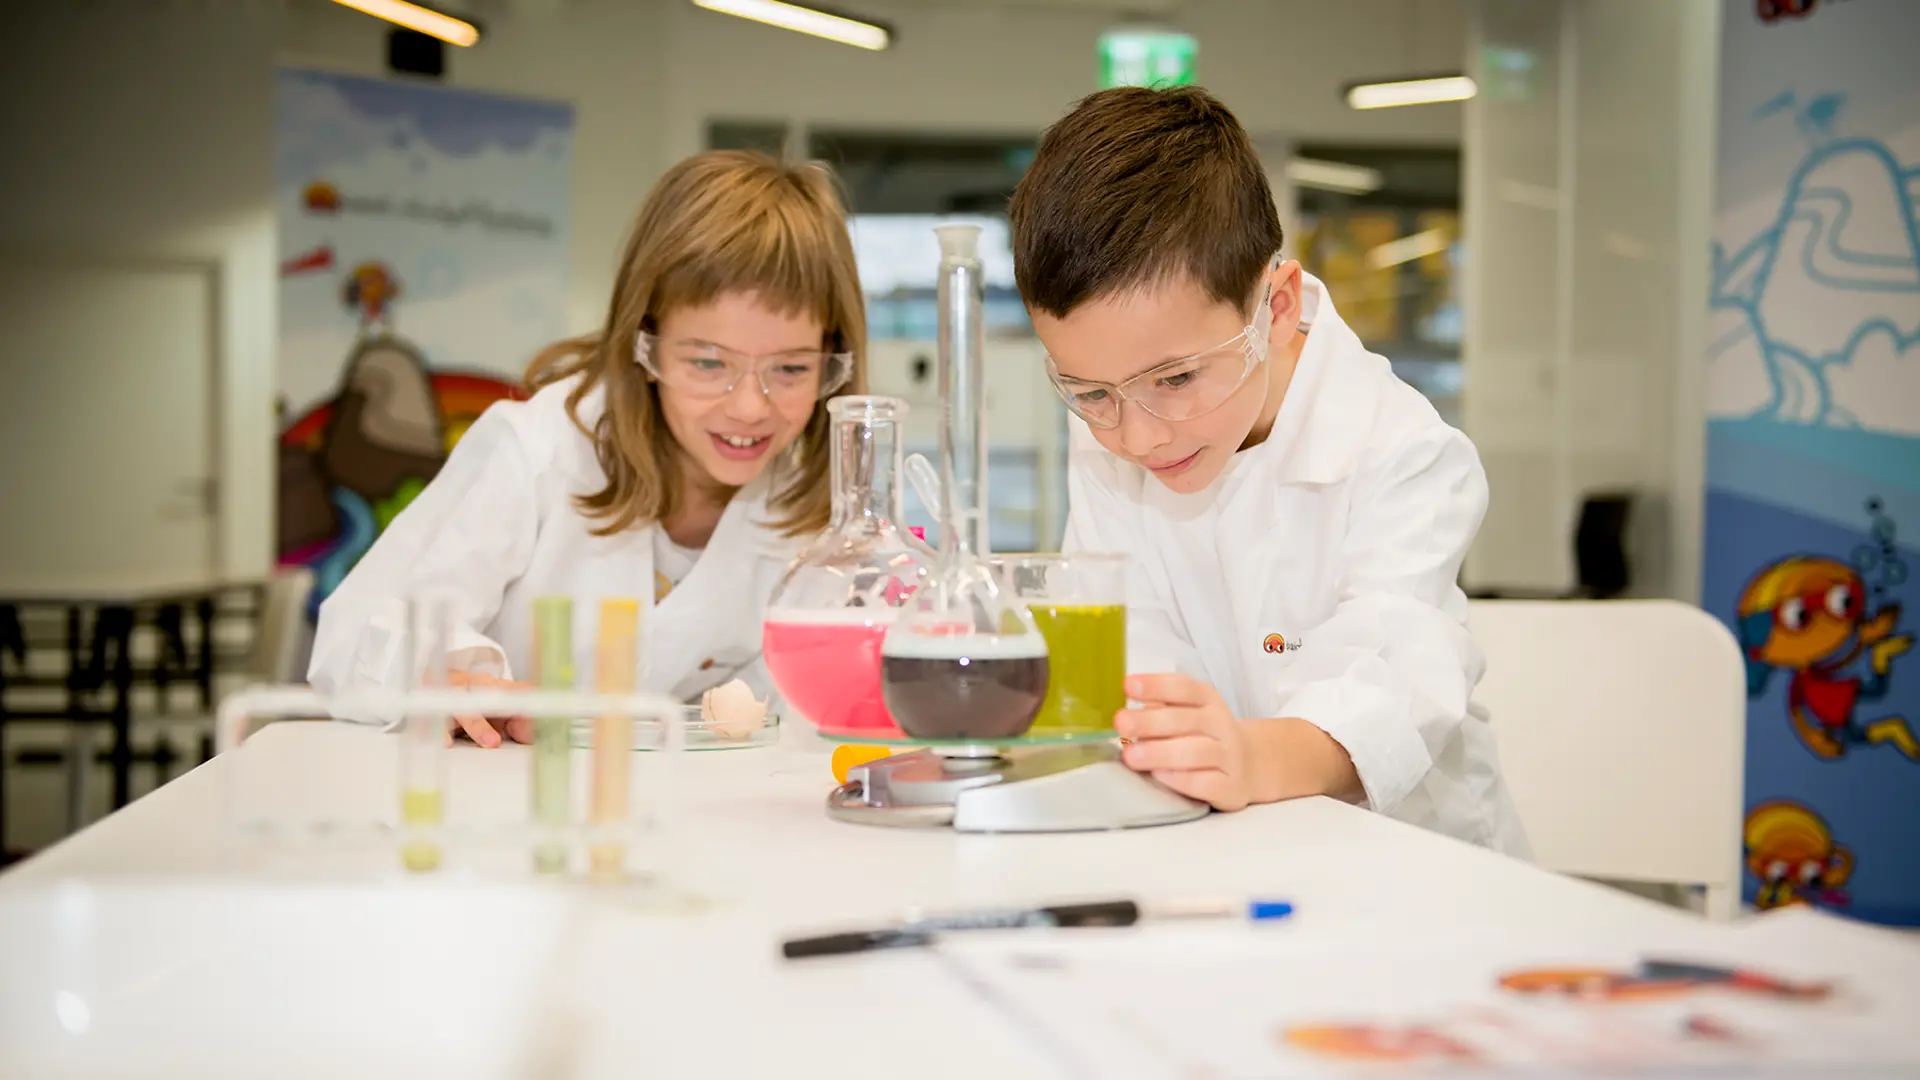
[(1296, 514)]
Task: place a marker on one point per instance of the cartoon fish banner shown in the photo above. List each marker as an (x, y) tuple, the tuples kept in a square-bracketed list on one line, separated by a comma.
[(423, 238), (1813, 444)]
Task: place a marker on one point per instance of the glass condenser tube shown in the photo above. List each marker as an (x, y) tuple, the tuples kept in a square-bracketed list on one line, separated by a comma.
[(961, 293), (423, 738), (616, 671), (552, 735)]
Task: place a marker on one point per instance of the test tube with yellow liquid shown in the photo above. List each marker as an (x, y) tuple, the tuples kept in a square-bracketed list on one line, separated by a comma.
[(616, 671), (423, 738), (552, 735)]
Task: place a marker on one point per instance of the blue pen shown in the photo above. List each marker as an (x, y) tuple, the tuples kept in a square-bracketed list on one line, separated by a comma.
[(1258, 910)]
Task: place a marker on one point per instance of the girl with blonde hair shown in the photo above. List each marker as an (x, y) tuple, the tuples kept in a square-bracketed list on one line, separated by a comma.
[(677, 455)]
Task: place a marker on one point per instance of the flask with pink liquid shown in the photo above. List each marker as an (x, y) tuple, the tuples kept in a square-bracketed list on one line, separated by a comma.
[(832, 609)]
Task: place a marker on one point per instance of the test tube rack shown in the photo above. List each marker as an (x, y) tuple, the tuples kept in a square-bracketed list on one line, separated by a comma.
[(244, 713)]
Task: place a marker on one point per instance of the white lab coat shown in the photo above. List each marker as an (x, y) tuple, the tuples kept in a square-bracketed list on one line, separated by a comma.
[(498, 527), (1343, 533)]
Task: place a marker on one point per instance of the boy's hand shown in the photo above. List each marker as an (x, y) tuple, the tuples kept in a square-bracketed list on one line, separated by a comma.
[(1187, 739), (487, 730)]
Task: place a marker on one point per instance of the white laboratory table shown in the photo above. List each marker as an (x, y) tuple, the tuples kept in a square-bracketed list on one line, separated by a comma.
[(639, 991)]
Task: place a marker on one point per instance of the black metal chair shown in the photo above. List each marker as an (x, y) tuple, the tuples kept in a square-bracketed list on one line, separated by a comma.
[(1602, 568)]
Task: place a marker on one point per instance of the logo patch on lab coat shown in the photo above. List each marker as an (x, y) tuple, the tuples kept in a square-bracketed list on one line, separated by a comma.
[(1276, 643)]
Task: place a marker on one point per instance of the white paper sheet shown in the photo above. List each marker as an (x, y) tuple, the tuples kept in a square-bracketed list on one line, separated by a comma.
[(1808, 996)]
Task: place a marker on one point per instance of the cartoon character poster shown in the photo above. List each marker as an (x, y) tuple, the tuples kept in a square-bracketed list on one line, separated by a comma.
[(424, 241), (1813, 460)]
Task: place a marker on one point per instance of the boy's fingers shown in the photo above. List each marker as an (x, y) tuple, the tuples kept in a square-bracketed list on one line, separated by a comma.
[(1158, 723), (1184, 752), (518, 728), (1168, 690), (1210, 786)]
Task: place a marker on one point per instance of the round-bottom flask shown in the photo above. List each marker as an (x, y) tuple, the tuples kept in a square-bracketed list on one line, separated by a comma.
[(832, 609), (965, 661)]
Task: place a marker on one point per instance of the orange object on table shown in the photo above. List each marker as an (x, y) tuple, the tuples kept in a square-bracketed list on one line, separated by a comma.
[(848, 756)]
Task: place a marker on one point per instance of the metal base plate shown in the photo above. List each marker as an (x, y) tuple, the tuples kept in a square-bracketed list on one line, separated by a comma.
[(1045, 789)]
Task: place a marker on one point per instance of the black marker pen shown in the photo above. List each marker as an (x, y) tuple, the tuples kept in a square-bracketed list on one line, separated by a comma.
[(922, 931)]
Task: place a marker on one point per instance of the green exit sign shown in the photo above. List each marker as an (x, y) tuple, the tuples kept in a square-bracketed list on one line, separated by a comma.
[(1147, 58)]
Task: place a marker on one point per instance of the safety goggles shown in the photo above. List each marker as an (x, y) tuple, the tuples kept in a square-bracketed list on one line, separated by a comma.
[(1183, 389), (709, 371)]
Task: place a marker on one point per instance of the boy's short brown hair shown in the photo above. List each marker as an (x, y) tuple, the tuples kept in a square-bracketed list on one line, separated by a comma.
[(1135, 187)]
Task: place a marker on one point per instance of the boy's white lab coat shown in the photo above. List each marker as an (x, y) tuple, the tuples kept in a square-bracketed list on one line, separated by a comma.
[(498, 527), (1316, 578)]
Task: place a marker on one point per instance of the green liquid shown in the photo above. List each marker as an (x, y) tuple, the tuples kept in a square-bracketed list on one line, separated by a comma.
[(552, 781), (1087, 664), (420, 807)]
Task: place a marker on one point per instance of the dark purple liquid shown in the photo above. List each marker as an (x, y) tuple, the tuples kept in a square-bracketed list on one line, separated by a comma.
[(964, 699)]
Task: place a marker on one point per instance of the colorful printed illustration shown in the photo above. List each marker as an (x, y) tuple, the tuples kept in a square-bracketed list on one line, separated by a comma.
[(369, 290), (1813, 406), (1274, 643), (1380, 1042), (423, 233), (1808, 615), (352, 463), (1791, 853), (1655, 979), (1713, 1029)]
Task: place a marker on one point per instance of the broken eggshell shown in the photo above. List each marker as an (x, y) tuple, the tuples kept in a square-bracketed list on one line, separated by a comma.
[(731, 711)]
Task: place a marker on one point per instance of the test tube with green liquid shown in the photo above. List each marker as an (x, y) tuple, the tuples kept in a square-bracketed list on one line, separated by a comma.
[(616, 671), (423, 737), (552, 735)]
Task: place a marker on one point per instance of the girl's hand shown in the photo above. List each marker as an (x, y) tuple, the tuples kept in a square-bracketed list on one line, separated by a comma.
[(1187, 739), (486, 730)]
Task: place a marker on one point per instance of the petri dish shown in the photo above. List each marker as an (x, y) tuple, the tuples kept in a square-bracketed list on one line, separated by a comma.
[(648, 736)]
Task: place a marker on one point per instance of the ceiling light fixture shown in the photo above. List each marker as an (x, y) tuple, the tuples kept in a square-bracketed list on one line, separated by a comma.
[(1333, 176), (807, 19), (1426, 90), (1408, 248), (448, 28)]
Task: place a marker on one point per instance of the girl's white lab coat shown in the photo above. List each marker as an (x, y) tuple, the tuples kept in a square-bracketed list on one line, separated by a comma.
[(498, 527), (1316, 578)]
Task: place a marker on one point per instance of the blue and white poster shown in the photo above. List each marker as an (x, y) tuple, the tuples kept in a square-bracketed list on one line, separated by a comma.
[(423, 259), (1813, 460)]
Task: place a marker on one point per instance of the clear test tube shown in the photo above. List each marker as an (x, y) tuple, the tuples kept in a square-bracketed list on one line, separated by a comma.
[(552, 735), (423, 737), (616, 671)]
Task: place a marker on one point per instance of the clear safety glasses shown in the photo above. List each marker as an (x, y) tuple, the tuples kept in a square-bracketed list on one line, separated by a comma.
[(1183, 389), (709, 371)]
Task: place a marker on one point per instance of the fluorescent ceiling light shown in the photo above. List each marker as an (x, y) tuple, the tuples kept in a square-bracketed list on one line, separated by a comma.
[(1333, 176), (1407, 248), (860, 33), (1427, 91), (424, 19)]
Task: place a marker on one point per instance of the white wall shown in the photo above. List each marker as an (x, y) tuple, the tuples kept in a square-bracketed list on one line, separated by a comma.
[(149, 125), (135, 131), (1586, 201)]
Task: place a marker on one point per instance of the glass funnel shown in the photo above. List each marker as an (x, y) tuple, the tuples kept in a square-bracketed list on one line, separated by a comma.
[(965, 660), (831, 610)]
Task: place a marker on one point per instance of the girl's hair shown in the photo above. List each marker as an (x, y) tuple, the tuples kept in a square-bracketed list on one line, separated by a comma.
[(719, 222)]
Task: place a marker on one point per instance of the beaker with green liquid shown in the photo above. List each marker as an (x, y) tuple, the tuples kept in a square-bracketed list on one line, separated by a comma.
[(1079, 602)]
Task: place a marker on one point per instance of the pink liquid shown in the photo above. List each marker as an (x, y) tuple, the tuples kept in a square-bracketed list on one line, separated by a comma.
[(829, 672)]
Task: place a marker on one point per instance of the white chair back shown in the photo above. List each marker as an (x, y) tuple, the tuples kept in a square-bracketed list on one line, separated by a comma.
[(1622, 736), (277, 643)]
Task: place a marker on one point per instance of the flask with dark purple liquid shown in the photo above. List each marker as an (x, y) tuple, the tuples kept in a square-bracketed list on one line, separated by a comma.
[(964, 661)]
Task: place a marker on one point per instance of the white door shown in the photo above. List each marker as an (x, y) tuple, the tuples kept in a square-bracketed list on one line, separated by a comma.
[(106, 422)]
